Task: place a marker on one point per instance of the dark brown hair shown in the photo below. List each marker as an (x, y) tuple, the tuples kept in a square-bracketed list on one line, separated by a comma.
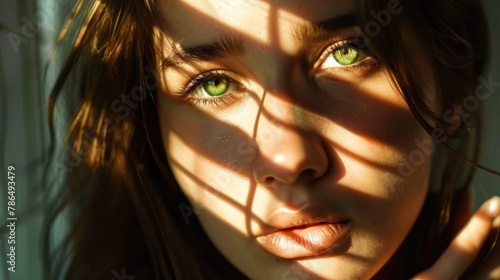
[(454, 35), (120, 195)]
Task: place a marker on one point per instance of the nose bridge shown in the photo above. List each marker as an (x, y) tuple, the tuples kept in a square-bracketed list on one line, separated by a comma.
[(270, 65), (286, 148), (277, 119)]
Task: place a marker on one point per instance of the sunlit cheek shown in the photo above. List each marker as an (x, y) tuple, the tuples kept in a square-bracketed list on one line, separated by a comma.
[(380, 201), (376, 169), (364, 153), (372, 130), (403, 136), (379, 86), (205, 180), (390, 198), (368, 117)]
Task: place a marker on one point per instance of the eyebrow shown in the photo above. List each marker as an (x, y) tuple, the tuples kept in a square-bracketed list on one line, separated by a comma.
[(228, 46), (221, 48), (319, 30)]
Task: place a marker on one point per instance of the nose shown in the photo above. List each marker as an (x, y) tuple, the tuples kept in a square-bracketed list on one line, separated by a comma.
[(288, 152)]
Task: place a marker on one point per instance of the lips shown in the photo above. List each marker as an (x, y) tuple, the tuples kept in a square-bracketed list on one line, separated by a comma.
[(304, 233)]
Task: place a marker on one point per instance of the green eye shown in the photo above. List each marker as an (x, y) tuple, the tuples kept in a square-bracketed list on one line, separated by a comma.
[(216, 86), (346, 55)]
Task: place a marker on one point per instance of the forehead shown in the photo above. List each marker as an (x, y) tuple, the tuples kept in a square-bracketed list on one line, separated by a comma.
[(261, 21)]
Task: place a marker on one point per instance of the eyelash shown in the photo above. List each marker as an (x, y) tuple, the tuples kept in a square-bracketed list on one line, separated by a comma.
[(225, 99), (366, 64), (197, 81)]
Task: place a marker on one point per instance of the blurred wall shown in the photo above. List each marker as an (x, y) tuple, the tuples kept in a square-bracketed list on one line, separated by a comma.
[(485, 184)]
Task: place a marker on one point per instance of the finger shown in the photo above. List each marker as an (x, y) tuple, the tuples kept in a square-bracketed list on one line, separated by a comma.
[(466, 245), (488, 267)]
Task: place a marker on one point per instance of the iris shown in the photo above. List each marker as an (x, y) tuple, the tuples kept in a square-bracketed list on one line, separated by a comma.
[(216, 86), (346, 55)]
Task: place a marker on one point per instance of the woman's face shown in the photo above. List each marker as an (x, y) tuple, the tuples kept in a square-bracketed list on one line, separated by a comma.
[(289, 140)]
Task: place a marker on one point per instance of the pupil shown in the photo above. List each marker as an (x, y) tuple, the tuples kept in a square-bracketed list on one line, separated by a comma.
[(345, 55), (216, 86)]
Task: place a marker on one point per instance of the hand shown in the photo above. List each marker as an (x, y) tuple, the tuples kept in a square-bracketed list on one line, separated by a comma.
[(464, 248)]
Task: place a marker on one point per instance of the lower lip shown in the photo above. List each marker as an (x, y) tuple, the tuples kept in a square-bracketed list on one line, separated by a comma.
[(305, 242)]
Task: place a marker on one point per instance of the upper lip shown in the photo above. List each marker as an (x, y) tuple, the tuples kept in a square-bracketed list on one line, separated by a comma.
[(285, 218)]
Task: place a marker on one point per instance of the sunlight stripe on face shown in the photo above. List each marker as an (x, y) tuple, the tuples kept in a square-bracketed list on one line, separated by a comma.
[(223, 13)]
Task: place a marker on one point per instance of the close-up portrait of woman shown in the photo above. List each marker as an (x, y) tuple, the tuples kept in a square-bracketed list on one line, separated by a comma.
[(270, 139)]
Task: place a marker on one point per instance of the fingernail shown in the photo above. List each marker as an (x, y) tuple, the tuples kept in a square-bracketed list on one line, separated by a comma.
[(496, 222), (493, 206)]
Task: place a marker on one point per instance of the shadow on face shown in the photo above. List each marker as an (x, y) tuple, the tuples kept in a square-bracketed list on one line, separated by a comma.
[(277, 126)]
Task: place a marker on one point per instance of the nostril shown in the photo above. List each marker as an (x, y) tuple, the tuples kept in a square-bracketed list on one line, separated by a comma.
[(308, 173), (269, 181), (300, 158)]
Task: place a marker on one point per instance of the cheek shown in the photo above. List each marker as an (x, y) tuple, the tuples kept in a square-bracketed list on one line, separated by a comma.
[(386, 157), (386, 210), (369, 123), (210, 159)]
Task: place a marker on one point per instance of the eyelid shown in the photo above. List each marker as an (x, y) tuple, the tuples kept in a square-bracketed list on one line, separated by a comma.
[(197, 80), (325, 52)]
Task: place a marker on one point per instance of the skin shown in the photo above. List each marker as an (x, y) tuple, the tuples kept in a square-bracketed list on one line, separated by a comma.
[(332, 136)]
